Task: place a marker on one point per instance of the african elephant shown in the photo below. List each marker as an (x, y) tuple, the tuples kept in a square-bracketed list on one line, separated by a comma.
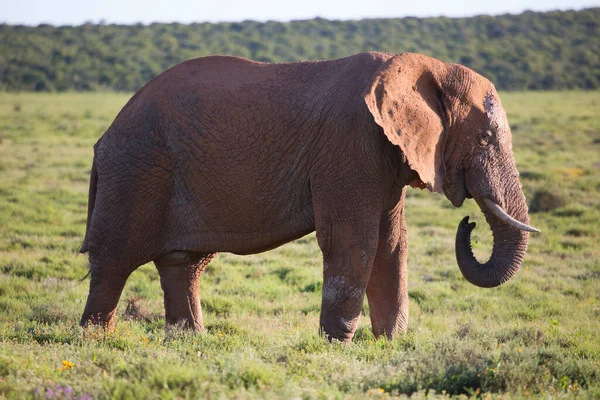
[(223, 154)]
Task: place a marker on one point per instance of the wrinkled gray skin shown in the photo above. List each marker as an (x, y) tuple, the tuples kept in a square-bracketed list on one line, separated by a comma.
[(224, 154)]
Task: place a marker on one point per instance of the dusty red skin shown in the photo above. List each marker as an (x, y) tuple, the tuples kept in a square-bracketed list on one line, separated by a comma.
[(225, 154)]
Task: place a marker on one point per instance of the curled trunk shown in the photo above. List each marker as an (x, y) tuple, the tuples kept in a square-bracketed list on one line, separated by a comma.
[(510, 245)]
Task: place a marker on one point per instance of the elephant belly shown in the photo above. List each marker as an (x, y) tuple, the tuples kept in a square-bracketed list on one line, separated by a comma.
[(238, 200), (240, 223), (215, 234)]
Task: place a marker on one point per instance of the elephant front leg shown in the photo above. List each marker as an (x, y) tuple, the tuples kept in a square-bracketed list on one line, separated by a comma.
[(180, 278), (387, 291)]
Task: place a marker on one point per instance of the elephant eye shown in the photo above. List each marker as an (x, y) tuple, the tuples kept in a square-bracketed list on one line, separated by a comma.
[(485, 137)]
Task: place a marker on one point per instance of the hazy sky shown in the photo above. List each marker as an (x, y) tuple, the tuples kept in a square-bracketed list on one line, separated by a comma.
[(75, 12)]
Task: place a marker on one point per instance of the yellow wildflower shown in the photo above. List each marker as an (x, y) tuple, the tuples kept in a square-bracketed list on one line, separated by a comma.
[(66, 365)]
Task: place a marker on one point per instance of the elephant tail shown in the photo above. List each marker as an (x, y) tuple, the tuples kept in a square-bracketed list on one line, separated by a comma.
[(91, 202)]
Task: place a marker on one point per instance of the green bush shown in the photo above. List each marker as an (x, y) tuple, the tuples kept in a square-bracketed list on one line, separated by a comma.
[(542, 51)]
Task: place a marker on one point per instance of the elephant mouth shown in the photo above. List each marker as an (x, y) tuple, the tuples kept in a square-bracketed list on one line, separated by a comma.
[(456, 189)]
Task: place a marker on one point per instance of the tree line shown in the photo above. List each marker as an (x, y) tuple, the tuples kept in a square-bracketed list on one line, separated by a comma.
[(529, 51)]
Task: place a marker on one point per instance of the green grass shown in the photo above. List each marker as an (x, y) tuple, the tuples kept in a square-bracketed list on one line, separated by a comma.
[(537, 335)]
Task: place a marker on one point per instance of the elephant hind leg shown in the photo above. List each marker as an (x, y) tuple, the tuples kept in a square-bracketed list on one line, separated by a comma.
[(105, 291), (179, 278)]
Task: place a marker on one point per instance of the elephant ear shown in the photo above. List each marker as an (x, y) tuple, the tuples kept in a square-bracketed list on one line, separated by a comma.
[(405, 99)]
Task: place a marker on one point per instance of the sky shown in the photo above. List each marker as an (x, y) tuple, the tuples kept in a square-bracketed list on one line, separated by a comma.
[(76, 12)]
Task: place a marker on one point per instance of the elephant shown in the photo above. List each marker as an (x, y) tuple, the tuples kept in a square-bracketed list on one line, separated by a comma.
[(224, 154)]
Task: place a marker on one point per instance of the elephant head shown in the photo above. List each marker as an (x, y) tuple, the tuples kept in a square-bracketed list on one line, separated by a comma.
[(449, 123)]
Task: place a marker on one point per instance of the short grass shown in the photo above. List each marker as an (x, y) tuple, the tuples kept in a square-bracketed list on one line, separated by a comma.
[(536, 336)]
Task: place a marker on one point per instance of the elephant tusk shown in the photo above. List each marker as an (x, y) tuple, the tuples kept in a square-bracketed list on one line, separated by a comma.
[(500, 213)]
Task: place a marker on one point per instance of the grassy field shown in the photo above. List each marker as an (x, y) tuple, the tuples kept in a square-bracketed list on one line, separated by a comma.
[(536, 336)]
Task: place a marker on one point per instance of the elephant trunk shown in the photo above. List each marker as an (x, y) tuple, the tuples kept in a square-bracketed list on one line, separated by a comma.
[(510, 244)]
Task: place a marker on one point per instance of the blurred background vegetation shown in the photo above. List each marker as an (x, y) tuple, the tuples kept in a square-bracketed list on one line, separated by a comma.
[(539, 51)]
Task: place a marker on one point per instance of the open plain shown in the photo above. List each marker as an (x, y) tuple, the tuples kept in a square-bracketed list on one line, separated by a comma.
[(538, 335)]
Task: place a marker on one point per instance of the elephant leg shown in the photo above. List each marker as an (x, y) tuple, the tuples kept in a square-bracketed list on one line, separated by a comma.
[(105, 290), (348, 239), (179, 278), (387, 290)]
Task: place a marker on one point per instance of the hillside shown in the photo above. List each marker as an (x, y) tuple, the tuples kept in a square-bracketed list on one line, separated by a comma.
[(553, 50)]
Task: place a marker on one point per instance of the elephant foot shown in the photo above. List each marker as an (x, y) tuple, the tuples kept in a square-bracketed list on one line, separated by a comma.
[(340, 308), (105, 320), (339, 328)]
